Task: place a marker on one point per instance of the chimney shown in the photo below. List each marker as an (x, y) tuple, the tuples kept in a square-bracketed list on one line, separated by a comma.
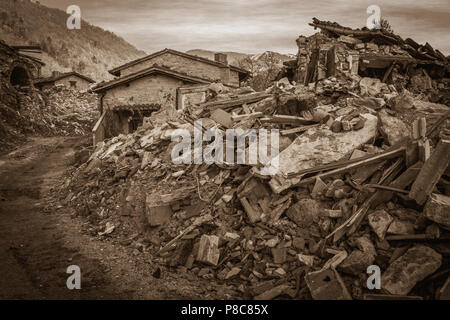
[(221, 57), (55, 74)]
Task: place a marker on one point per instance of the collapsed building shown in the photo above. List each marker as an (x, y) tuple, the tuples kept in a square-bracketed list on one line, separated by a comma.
[(19, 69), (25, 110), (378, 54), (163, 80), (363, 181)]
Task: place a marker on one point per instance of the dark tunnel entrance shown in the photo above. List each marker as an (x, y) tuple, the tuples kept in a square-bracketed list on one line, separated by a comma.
[(19, 77)]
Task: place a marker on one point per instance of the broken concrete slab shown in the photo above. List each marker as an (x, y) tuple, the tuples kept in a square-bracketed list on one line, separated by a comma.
[(415, 265), (208, 250), (393, 129), (437, 209), (379, 221), (326, 285), (318, 146)]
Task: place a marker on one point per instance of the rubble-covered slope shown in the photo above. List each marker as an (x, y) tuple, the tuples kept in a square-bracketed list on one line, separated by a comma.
[(363, 182), (57, 111)]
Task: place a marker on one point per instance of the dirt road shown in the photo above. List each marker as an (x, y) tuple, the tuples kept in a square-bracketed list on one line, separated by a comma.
[(37, 247), (37, 244)]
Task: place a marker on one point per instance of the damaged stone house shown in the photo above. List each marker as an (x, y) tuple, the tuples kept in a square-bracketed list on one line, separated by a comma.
[(164, 79), (378, 54), (72, 80), (18, 68)]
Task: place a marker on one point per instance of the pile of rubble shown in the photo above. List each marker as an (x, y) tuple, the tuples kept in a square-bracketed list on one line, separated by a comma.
[(56, 111), (73, 112), (363, 183)]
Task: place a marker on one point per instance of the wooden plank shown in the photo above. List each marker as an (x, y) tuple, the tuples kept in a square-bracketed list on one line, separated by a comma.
[(285, 119), (352, 223), (431, 172), (403, 181), (387, 188), (246, 116), (297, 130), (356, 163), (388, 72), (230, 103), (252, 214)]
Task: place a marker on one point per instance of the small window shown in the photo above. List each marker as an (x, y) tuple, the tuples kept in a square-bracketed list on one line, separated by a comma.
[(73, 84)]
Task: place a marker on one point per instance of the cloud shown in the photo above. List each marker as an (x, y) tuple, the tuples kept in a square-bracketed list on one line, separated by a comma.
[(252, 25)]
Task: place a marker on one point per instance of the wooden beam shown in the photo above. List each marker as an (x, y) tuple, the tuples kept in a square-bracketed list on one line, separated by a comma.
[(298, 129), (356, 163), (230, 103), (431, 172)]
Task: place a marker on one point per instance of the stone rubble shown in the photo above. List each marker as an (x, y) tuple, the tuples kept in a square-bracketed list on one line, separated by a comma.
[(309, 231)]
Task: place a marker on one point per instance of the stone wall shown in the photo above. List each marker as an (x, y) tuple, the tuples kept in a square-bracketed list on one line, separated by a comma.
[(154, 89), (81, 84), (11, 62), (188, 66), (334, 56)]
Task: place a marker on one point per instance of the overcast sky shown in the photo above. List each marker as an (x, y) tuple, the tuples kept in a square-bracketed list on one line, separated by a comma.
[(253, 26)]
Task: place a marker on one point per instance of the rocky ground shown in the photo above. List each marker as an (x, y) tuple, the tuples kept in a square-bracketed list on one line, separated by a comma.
[(259, 237), (40, 241)]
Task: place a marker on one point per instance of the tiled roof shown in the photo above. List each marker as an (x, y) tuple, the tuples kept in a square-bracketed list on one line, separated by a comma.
[(116, 70), (143, 73)]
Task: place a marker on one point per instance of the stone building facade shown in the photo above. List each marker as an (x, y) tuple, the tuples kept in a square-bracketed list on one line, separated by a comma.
[(167, 79), (217, 70), (72, 80)]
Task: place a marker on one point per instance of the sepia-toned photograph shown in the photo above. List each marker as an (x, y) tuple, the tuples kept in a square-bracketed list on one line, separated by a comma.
[(235, 157)]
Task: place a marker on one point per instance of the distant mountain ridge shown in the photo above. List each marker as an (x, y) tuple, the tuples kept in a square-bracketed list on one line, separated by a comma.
[(238, 58), (265, 67), (91, 50)]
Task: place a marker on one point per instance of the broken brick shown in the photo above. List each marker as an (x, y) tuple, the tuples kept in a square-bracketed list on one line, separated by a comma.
[(208, 251)]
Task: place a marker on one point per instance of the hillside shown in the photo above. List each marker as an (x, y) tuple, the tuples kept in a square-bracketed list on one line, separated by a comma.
[(90, 50)]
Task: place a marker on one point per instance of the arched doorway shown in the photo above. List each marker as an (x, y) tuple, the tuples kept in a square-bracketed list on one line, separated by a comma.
[(19, 77)]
